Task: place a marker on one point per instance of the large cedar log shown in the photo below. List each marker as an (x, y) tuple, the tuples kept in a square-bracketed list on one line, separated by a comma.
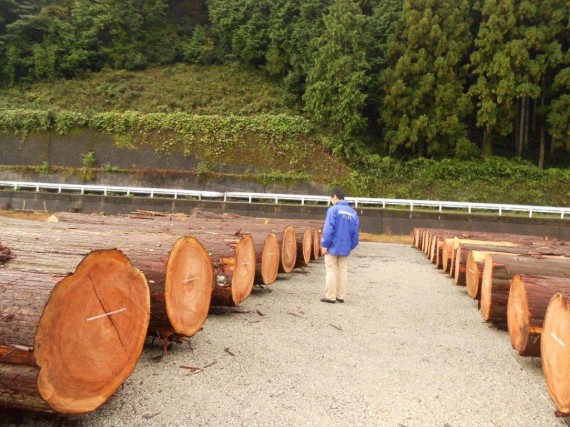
[(501, 239), (288, 244), (68, 341), (304, 246), (528, 300), (554, 351), (178, 269), (463, 250), (234, 268), (210, 224), (496, 282), (232, 255), (316, 244)]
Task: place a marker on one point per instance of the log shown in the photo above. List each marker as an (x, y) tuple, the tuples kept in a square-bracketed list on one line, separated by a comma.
[(496, 282), (304, 246), (232, 255), (554, 353), (68, 341), (463, 250), (178, 269), (288, 244), (502, 239), (316, 253), (266, 245), (266, 262), (528, 300), (234, 269)]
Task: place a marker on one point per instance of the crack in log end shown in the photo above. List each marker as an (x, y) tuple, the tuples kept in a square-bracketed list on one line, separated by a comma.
[(109, 317)]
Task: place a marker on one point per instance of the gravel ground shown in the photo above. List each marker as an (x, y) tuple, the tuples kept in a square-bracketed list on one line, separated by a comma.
[(407, 348)]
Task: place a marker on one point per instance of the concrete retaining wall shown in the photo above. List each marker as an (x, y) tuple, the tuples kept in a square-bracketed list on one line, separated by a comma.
[(372, 220)]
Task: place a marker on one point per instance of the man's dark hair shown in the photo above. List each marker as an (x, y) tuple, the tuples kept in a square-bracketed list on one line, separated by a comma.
[(338, 193)]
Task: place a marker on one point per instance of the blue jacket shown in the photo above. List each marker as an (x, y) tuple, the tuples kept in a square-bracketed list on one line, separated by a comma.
[(340, 233)]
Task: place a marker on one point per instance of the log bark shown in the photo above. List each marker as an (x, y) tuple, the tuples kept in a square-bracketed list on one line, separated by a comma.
[(68, 341), (178, 269), (496, 282), (528, 300), (554, 345)]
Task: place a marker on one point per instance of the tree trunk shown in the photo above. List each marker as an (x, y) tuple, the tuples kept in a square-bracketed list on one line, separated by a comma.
[(68, 341), (554, 345), (487, 148), (528, 299), (498, 272), (542, 129), (521, 126), (526, 124), (518, 127)]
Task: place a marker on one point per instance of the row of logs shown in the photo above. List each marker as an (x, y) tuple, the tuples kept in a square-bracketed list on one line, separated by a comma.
[(81, 291), (521, 283)]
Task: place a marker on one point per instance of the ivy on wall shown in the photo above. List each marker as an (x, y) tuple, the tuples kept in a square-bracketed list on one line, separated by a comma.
[(282, 142)]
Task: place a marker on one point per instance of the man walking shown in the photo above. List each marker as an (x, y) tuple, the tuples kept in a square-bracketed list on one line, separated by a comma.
[(340, 236)]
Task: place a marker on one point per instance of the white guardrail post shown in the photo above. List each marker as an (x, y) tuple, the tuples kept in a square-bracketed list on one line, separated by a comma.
[(276, 198)]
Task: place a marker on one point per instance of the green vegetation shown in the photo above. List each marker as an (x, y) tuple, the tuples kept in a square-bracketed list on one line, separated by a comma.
[(203, 90), (414, 96), (492, 180)]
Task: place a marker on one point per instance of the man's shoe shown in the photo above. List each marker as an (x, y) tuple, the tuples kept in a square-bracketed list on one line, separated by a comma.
[(328, 300), (339, 300)]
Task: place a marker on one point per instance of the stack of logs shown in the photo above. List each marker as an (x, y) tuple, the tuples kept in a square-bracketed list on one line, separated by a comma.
[(86, 290), (521, 283)]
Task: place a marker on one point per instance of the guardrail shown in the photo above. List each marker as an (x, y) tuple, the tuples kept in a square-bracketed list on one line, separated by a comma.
[(276, 198)]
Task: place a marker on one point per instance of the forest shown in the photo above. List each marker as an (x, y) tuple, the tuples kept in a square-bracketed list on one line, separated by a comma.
[(406, 79)]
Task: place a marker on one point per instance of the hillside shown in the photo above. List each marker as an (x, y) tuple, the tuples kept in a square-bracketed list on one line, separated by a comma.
[(203, 90), (235, 121)]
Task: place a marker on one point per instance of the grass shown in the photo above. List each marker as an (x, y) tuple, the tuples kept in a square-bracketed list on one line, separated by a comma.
[(193, 89)]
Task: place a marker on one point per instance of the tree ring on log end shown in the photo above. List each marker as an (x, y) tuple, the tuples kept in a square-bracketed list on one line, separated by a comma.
[(288, 250), (555, 351), (188, 285), (486, 288), (270, 259), (518, 315), (91, 332), (244, 269)]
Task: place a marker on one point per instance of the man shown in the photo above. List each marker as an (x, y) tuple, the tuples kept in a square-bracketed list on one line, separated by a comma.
[(340, 236)]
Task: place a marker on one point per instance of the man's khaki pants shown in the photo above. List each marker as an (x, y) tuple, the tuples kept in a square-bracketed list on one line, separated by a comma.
[(336, 276)]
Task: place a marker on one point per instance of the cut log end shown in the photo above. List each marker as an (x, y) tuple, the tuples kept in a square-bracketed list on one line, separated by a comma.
[(555, 351), (518, 315), (91, 332), (307, 245), (270, 259), (472, 277), (486, 289), (288, 250), (316, 245), (244, 270), (304, 248), (188, 286)]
